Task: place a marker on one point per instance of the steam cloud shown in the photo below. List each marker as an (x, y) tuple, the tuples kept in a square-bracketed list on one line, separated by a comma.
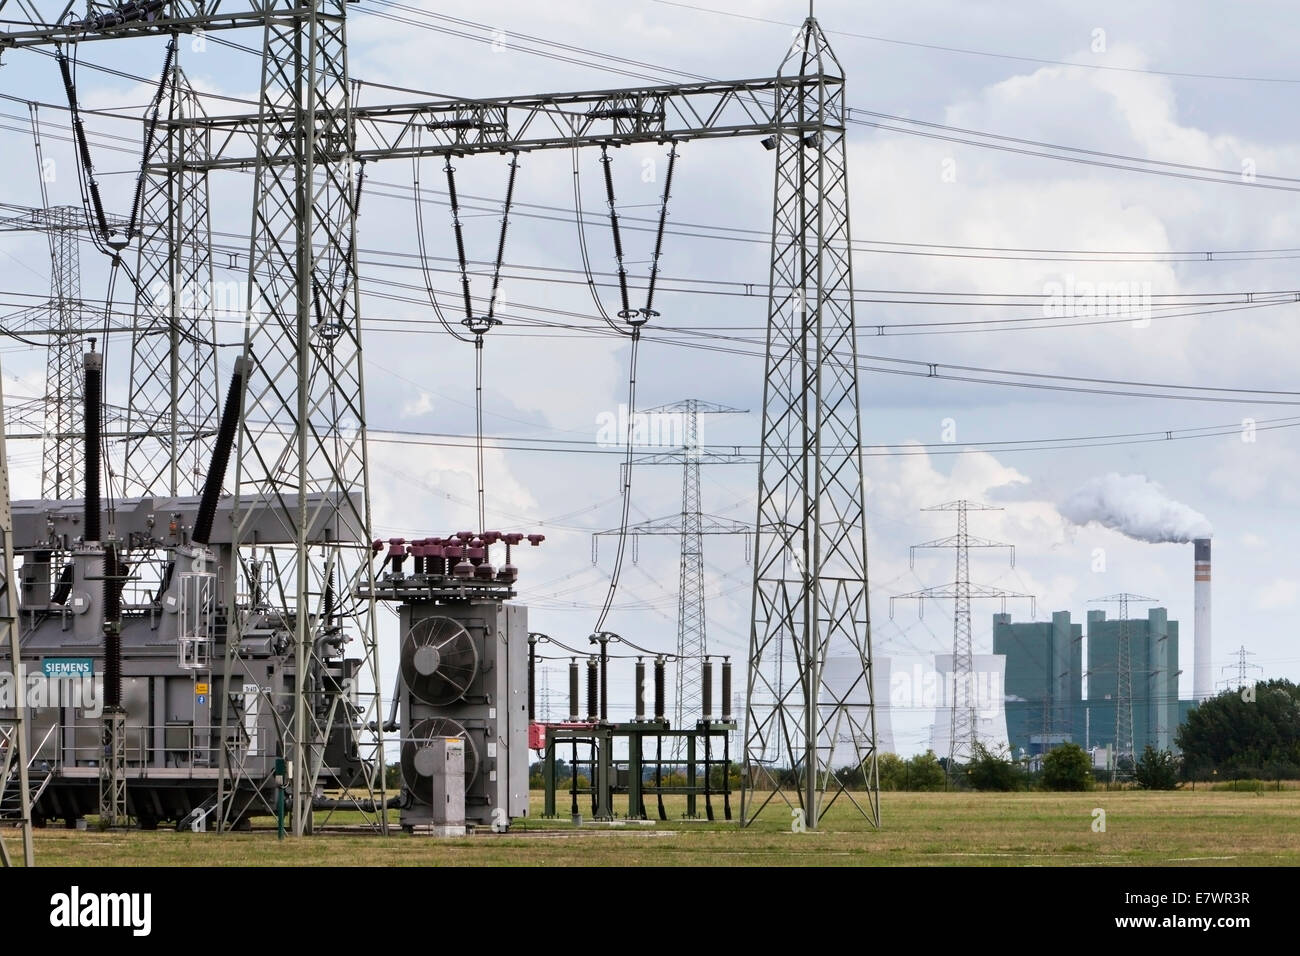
[(1135, 506)]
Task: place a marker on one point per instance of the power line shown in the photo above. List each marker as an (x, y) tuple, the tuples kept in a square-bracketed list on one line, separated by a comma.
[(998, 56)]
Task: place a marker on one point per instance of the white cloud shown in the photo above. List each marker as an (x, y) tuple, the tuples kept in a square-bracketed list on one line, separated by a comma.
[(1278, 593)]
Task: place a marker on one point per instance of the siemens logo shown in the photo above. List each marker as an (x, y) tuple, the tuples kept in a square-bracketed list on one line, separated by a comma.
[(75, 909)]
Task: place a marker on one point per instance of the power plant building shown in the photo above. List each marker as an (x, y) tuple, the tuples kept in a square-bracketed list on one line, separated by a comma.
[(1154, 669), (1044, 681), (1045, 687)]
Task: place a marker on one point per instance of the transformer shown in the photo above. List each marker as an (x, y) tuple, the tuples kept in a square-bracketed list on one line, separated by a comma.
[(463, 674), (124, 623)]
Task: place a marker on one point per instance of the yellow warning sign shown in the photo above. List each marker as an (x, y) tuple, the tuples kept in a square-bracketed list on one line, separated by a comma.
[(200, 688)]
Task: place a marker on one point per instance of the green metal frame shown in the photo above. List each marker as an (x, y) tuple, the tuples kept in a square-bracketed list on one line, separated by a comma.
[(604, 777)]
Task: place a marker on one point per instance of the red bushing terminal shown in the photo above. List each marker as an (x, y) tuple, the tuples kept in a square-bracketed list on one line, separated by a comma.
[(466, 535), (514, 537), (377, 545), (491, 537), (536, 539)]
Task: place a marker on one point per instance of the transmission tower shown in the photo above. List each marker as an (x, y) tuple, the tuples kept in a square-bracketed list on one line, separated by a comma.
[(810, 569), (1243, 667), (174, 389), (304, 335), (61, 318), (692, 525), (963, 723), (13, 728), (1123, 677)]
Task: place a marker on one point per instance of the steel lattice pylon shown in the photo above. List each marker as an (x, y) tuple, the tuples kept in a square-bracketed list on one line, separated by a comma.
[(810, 570), (174, 389), (61, 451), (58, 412), (302, 439), (692, 525), (1123, 678), (963, 723)]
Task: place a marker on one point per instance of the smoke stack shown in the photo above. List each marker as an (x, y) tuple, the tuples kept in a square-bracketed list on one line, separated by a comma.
[(1203, 680)]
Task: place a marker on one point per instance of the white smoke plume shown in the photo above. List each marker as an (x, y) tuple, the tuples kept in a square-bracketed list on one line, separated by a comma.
[(1135, 506)]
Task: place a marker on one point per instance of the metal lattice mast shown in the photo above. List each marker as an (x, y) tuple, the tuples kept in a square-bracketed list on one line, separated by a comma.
[(964, 726), (60, 451), (1243, 667), (810, 571), (963, 723), (13, 729), (174, 389), (692, 640), (58, 412), (692, 526), (1123, 677), (1124, 744), (302, 453)]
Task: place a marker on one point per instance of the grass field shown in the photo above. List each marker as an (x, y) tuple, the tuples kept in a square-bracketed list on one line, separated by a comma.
[(1181, 828)]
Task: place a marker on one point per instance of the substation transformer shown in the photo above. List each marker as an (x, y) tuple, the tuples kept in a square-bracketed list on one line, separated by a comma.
[(124, 608), (463, 673)]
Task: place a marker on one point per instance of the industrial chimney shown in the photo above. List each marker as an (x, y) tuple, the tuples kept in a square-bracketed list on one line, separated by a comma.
[(1203, 680)]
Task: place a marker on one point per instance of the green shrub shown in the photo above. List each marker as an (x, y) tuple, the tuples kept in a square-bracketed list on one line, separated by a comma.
[(1156, 770), (993, 770), (1067, 767)]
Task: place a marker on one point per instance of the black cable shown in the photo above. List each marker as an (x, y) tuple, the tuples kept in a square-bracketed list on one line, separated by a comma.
[(627, 486), (151, 126), (422, 253), (582, 242)]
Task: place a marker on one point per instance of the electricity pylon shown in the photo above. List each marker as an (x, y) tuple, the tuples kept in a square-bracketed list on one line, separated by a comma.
[(1242, 666), (174, 390), (963, 722), (1123, 678), (810, 551), (58, 412), (691, 525)]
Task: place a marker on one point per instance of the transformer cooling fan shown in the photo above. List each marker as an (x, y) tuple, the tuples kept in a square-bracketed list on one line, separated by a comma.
[(439, 661), (417, 767)]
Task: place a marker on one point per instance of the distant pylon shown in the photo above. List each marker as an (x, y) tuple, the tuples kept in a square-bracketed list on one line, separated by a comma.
[(964, 726), (1123, 678), (1242, 667), (691, 525), (62, 318)]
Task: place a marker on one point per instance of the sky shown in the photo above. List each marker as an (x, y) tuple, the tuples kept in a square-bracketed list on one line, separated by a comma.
[(944, 220)]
